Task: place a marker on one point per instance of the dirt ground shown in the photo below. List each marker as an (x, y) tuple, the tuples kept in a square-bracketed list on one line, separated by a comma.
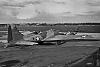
[(44, 56)]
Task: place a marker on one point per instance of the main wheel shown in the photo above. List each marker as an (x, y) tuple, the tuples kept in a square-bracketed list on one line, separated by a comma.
[(60, 42)]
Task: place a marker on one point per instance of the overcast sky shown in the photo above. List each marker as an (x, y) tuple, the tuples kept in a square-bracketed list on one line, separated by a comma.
[(14, 11)]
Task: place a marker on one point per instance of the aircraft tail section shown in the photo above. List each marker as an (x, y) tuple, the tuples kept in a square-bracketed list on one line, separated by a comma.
[(49, 33), (10, 38), (14, 34)]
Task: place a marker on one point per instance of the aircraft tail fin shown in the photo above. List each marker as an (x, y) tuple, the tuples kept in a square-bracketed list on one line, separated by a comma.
[(49, 33), (10, 38), (14, 34)]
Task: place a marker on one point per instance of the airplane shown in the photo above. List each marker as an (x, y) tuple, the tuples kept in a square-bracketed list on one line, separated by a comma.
[(51, 36), (16, 38)]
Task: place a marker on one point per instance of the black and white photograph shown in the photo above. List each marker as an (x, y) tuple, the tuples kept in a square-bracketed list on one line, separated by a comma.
[(49, 33)]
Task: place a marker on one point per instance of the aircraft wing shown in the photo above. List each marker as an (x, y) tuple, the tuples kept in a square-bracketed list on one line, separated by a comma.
[(68, 38)]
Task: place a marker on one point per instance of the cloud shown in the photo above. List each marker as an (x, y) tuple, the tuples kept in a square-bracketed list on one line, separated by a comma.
[(55, 7), (27, 12), (62, 6), (27, 9)]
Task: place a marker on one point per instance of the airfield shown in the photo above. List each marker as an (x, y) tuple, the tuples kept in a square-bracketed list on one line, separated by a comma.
[(65, 55), (69, 54)]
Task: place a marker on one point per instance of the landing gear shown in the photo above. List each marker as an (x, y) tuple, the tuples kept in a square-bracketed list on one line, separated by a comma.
[(60, 42)]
